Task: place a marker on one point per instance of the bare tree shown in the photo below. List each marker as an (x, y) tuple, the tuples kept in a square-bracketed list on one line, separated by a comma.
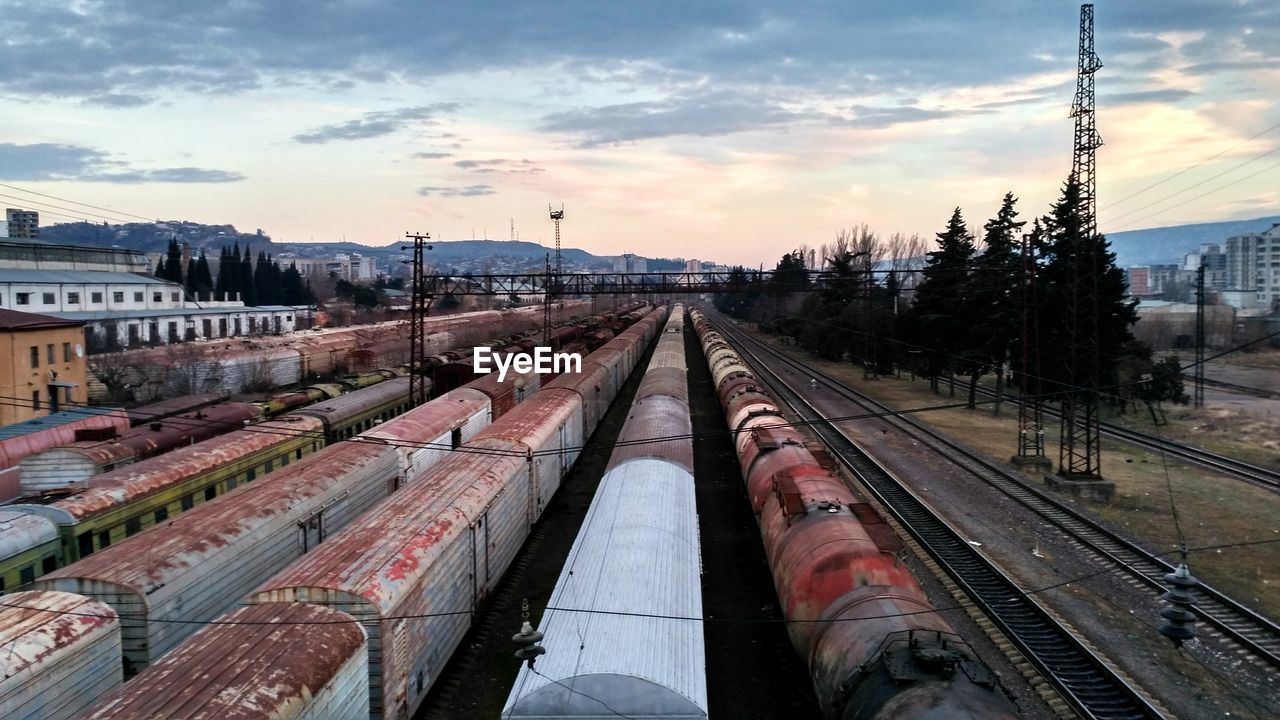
[(117, 375)]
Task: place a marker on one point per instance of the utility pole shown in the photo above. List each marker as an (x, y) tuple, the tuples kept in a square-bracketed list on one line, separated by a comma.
[(1030, 421), (1199, 376), (1080, 452), (420, 299)]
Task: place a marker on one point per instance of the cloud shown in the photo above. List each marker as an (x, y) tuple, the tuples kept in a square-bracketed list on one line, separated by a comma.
[(882, 117), (375, 124), (511, 167), (52, 161), (450, 192), (1167, 95), (118, 100), (719, 113), (432, 155)]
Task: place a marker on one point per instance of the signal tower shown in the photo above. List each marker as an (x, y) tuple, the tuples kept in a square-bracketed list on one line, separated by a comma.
[(1079, 455)]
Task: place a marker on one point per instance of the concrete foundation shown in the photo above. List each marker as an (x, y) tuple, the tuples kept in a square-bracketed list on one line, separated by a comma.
[(1033, 463), (1087, 488)]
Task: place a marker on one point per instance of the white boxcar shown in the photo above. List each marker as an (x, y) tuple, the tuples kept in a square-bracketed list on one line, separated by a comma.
[(202, 563), (60, 653)]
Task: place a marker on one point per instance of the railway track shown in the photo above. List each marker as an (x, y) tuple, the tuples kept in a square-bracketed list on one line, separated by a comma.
[(1083, 679), (1257, 634), (1253, 474)]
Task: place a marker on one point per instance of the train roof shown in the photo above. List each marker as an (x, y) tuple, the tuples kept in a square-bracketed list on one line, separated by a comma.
[(125, 485), (37, 626), (635, 567), (260, 662), (379, 557)]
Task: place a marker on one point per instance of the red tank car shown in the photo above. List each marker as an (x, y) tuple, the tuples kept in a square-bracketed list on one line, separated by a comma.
[(875, 646)]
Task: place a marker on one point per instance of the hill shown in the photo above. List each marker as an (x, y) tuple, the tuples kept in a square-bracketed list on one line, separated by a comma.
[(1168, 244)]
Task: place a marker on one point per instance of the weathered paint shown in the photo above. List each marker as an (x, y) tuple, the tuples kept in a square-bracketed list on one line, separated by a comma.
[(28, 545), (61, 652), (269, 662)]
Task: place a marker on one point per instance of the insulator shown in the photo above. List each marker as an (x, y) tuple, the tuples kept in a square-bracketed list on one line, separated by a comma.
[(527, 639), (1179, 617)]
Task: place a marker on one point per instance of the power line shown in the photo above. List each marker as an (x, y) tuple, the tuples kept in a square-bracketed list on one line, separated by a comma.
[(1237, 181), (82, 214), (1193, 186), (76, 202), (1189, 169), (625, 613)]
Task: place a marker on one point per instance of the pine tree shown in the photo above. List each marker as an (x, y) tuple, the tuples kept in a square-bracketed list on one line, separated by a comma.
[(160, 273), (173, 265), (245, 280), (992, 294), (939, 317), (1085, 311), (204, 278), (190, 281)]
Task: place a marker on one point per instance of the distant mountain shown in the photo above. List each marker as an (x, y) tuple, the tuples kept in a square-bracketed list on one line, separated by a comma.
[(1168, 244), (154, 237)]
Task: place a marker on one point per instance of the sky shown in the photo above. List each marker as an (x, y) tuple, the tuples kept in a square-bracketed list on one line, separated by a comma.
[(716, 129)]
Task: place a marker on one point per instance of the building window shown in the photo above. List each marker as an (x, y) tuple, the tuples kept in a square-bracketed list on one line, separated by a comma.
[(35, 399), (208, 327), (66, 352), (49, 299), (95, 298), (35, 356), (117, 297), (156, 297), (132, 526), (73, 298), (48, 353), (173, 332), (133, 333), (173, 296), (24, 298), (137, 297), (161, 515)]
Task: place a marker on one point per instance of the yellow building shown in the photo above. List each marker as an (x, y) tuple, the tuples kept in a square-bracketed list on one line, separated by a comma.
[(42, 365)]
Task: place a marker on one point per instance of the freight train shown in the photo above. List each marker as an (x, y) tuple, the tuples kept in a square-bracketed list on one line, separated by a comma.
[(233, 365), (623, 628), (412, 570), (125, 501), (876, 648)]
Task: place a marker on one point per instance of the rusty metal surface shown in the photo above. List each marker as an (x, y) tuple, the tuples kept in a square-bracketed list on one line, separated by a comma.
[(508, 393), (20, 532), (120, 487), (172, 406), (651, 418), (61, 653), (280, 662), (19, 440), (343, 408)]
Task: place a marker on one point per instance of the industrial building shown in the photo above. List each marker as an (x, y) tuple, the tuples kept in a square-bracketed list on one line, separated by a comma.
[(41, 358)]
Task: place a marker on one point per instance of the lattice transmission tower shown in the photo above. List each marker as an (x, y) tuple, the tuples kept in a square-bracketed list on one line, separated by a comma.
[(1079, 454)]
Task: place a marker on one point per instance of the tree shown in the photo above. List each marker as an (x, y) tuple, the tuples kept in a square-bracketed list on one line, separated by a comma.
[(992, 295), (203, 283), (939, 317), (173, 263), (248, 292), (293, 289), (1085, 311)]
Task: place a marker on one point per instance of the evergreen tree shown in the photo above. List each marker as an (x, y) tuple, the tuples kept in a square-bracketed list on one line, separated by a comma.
[(293, 289), (992, 294), (204, 278), (190, 281), (939, 318), (173, 265), (220, 289), (1085, 311), (160, 273), (247, 290)]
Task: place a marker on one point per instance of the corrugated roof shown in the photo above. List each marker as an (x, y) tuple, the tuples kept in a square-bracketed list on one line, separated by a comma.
[(637, 553), (14, 320), (272, 662), (91, 277), (39, 628), (51, 421)]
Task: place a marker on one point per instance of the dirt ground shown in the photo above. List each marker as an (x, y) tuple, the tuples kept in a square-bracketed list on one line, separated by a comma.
[(1201, 681)]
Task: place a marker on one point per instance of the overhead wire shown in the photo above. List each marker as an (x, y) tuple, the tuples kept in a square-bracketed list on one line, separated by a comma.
[(1111, 221), (1201, 195), (76, 202), (1188, 169)]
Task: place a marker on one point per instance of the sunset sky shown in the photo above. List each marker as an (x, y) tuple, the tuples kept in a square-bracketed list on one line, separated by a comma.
[(708, 128)]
